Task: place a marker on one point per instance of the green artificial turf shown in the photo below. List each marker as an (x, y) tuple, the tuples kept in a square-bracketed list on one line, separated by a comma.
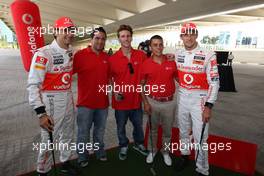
[(135, 165)]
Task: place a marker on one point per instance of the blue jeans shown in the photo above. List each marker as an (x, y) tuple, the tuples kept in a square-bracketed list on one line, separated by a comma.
[(85, 118), (135, 116)]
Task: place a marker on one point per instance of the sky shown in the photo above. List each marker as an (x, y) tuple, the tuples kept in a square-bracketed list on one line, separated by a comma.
[(4, 30)]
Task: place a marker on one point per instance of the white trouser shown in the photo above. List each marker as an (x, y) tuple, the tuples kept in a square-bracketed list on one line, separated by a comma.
[(60, 107), (190, 108)]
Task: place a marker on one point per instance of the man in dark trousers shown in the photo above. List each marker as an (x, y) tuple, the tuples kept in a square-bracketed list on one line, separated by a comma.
[(92, 68), (124, 69)]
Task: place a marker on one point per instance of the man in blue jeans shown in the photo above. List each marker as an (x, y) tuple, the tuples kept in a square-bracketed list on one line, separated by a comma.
[(124, 73), (91, 66)]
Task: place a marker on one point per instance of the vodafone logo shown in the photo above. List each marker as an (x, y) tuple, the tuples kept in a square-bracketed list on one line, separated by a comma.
[(66, 78), (27, 18), (188, 79)]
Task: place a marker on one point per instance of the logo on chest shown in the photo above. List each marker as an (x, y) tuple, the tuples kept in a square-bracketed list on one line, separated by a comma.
[(168, 68), (66, 78), (188, 78), (180, 58), (135, 63), (105, 62), (58, 59), (198, 59)]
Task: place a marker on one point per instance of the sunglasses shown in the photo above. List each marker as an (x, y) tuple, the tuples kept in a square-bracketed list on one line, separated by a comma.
[(131, 69)]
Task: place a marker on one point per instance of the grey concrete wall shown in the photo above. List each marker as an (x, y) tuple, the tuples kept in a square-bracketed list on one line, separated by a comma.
[(249, 56)]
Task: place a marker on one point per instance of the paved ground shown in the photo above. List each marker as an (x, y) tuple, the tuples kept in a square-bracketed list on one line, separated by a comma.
[(237, 115)]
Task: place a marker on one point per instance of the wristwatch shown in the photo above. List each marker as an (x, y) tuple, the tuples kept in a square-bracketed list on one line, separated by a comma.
[(209, 105)]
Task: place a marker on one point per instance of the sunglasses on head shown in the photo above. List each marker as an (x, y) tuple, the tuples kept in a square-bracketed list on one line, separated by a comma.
[(131, 69)]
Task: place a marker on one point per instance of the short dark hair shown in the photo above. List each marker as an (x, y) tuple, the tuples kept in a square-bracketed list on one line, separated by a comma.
[(124, 27), (155, 37), (99, 29), (144, 46)]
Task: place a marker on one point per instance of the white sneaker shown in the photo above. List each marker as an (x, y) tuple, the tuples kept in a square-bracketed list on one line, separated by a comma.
[(150, 157), (167, 159), (123, 153)]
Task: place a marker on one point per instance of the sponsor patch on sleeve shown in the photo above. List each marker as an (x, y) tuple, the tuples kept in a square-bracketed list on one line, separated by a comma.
[(40, 67), (41, 60)]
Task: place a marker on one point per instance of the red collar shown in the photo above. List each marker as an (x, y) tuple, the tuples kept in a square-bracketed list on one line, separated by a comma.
[(120, 52), (90, 50), (163, 61)]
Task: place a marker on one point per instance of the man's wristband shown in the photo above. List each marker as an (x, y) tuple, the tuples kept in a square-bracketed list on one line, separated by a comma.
[(209, 105), (40, 110)]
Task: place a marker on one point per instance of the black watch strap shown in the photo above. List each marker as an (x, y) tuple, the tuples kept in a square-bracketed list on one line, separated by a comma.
[(40, 110), (209, 105)]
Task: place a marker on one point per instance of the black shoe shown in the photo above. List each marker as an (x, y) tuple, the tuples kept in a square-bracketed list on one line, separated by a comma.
[(199, 174), (182, 163), (103, 159), (141, 149), (68, 169), (83, 164), (42, 174)]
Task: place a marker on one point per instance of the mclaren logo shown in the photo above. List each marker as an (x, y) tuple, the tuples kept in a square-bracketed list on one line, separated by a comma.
[(27, 19), (188, 79), (66, 78)]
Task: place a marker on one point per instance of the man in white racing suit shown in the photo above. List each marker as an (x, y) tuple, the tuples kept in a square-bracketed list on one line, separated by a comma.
[(198, 89), (50, 95)]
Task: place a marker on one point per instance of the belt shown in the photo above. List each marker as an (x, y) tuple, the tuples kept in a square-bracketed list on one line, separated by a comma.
[(162, 99)]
